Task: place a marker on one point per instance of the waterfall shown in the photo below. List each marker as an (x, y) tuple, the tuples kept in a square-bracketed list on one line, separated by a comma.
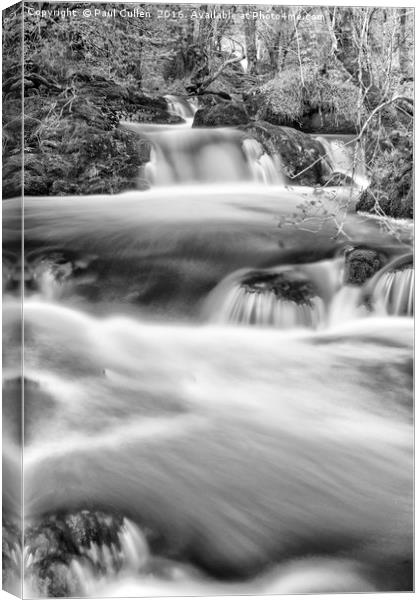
[(131, 556), (89, 561), (393, 293), (208, 156), (185, 108), (284, 298), (345, 157), (216, 398), (346, 305), (391, 290), (265, 308), (265, 168), (197, 156)]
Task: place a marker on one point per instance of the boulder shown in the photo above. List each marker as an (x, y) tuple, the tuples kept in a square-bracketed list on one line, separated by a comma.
[(361, 265), (72, 141), (326, 103), (223, 114)]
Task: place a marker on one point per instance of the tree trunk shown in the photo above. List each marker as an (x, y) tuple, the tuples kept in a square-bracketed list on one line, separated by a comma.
[(352, 57), (250, 41), (404, 60)]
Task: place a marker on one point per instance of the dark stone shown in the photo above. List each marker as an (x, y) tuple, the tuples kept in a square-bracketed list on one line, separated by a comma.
[(291, 286), (396, 201), (56, 540), (361, 265), (313, 121), (224, 114)]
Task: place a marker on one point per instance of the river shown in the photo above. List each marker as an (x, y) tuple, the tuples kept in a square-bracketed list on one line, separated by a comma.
[(217, 381)]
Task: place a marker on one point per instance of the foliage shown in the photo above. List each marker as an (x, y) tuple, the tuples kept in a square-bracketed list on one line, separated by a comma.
[(293, 93)]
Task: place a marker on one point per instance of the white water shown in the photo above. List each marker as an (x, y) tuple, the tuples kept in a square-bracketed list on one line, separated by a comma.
[(266, 443), (345, 157), (240, 397), (183, 107), (394, 292), (208, 156)]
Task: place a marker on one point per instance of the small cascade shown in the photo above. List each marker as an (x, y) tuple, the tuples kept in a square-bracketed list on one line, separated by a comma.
[(181, 106), (99, 547), (282, 298), (346, 305), (197, 156), (393, 293), (265, 169), (51, 278), (345, 157), (128, 557)]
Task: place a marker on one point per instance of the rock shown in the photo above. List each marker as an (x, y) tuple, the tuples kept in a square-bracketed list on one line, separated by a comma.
[(297, 150), (327, 103), (223, 114), (361, 264), (72, 142), (390, 159), (394, 197), (56, 540), (289, 285)]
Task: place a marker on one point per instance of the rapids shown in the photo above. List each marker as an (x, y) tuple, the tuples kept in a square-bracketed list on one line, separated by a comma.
[(217, 382)]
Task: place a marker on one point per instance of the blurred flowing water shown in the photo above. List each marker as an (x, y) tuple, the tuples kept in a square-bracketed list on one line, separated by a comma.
[(214, 404)]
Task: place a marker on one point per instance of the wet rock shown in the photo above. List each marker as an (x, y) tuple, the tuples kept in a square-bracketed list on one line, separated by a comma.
[(223, 114), (55, 541), (291, 286), (297, 150), (361, 265)]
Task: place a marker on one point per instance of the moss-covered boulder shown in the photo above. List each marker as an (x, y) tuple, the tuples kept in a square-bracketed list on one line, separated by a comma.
[(311, 101), (300, 153), (361, 264), (72, 141), (391, 164), (223, 114), (391, 196)]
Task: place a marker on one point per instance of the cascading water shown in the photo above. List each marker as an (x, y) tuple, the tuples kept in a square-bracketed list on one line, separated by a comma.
[(209, 156), (183, 107), (283, 298), (392, 289), (345, 157), (181, 443), (265, 169)]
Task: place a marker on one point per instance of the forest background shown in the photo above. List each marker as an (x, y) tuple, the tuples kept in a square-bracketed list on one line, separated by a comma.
[(314, 69)]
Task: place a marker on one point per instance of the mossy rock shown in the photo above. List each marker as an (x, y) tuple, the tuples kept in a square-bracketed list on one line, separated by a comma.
[(361, 265), (56, 540), (396, 202), (290, 286), (224, 114), (326, 103)]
